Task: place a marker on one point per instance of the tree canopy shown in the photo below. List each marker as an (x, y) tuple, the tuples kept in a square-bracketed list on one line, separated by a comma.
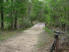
[(21, 13)]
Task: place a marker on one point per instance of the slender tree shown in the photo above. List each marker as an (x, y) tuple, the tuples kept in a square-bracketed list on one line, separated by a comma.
[(15, 20), (2, 15), (11, 14)]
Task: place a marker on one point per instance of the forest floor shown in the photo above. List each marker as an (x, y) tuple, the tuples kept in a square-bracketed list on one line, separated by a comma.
[(34, 39)]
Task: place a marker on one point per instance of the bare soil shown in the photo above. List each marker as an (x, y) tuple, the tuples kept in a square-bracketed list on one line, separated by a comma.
[(34, 39)]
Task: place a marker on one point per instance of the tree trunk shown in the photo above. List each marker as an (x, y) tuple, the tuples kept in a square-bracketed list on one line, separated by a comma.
[(15, 21), (2, 17), (11, 15)]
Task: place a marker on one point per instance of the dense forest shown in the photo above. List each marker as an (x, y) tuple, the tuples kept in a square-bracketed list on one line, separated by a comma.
[(16, 14)]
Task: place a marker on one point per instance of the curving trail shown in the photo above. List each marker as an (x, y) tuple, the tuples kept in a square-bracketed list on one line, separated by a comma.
[(27, 41)]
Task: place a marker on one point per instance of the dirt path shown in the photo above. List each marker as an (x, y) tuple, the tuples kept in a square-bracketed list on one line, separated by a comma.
[(26, 42)]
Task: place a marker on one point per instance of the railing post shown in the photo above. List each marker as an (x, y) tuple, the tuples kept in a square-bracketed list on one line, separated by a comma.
[(57, 43)]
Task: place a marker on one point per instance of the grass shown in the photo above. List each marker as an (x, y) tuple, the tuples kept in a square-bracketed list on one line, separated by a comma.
[(49, 31), (4, 35), (41, 44), (45, 37)]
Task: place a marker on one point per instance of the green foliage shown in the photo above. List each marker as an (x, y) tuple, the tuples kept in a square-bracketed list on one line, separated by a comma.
[(24, 12), (48, 30), (57, 12)]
